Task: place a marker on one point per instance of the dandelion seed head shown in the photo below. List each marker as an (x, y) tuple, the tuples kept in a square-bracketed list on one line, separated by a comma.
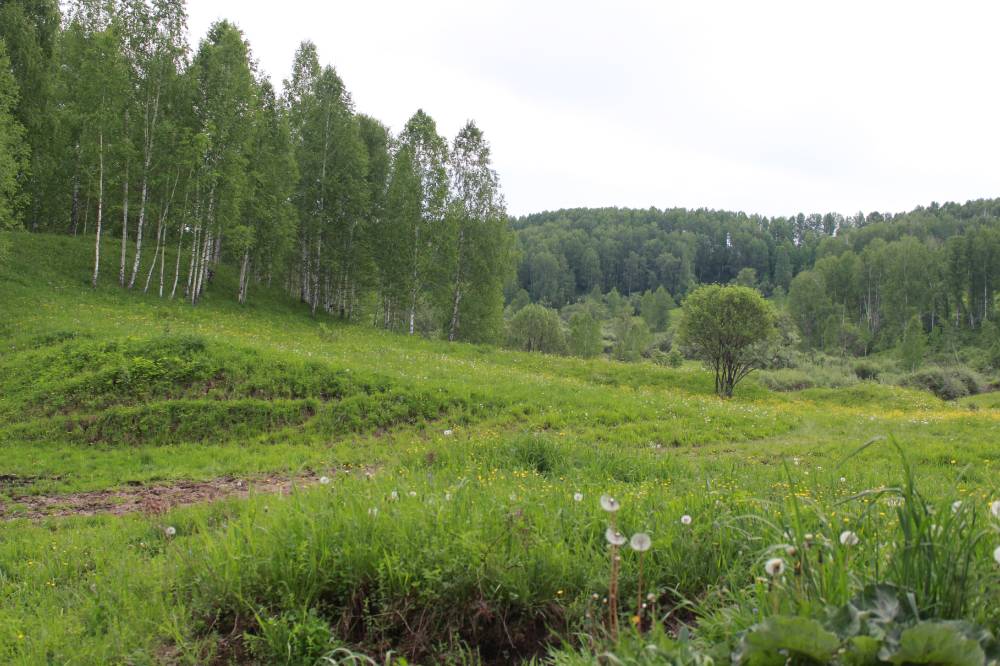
[(685, 519), (640, 542), (609, 503), (848, 538), (996, 554), (956, 505), (170, 531), (412, 493), (995, 508), (614, 537), (577, 497), (774, 567), (324, 480)]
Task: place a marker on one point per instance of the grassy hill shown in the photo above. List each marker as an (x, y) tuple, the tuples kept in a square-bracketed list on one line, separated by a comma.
[(449, 527)]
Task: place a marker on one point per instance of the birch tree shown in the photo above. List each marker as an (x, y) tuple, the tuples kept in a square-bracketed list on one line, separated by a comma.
[(429, 154), (477, 229), (225, 96), (157, 42)]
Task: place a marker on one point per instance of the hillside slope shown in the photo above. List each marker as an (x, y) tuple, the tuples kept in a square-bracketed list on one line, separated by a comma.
[(449, 527)]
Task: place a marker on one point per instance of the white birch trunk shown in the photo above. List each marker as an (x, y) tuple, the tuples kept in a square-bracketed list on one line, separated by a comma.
[(100, 207)]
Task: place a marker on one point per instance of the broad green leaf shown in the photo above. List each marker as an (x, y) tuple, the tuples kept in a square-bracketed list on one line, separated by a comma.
[(774, 641), (937, 643)]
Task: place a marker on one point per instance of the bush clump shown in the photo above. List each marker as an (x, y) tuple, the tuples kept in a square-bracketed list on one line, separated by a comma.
[(945, 383), (866, 371)]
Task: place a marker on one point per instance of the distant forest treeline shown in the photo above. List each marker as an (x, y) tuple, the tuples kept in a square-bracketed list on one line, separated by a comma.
[(853, 281)]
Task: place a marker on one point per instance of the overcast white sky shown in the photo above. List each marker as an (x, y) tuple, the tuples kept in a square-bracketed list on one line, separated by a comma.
[(766, 106)]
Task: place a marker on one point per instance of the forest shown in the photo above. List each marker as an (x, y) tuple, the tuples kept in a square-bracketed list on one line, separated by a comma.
[(851, 284), (179, 158)]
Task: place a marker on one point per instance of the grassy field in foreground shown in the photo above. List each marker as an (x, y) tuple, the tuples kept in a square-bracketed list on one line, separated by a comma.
[(449, 529)]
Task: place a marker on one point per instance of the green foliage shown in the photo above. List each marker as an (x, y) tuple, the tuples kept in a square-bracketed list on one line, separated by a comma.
[(725, 328), (584, 338), (13, 150), (780, 639), (747, 277), (536, 328), (655, 308), (632, 338), (293, 638), (947, 383), (866, 370), (913, 345)]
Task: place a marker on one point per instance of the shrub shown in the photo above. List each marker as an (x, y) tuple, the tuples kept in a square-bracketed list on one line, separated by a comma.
[(787, 380), (945, 383), (536, 328), (866, 370)]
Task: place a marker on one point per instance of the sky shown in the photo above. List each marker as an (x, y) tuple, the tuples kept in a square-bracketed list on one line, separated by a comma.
[(767, 107)]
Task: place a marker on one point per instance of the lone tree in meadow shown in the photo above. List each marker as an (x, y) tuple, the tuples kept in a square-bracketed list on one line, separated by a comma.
[(728, 328)]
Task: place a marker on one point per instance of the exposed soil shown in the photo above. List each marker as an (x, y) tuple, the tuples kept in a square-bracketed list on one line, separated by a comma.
[(154, 499)]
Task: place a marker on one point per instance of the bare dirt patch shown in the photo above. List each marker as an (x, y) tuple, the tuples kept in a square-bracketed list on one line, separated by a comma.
[(154, 499)]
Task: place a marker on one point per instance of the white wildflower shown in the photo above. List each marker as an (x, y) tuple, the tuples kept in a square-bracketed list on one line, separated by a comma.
[(412, 493), (577, 497), (614, 537), (956, 505), (685, 519), (449, 432), (640, 542), (996, 554), (394, 496), (774, 567), (848, 538), (170, 531), (609, 503), (325, 480), (995, 508)]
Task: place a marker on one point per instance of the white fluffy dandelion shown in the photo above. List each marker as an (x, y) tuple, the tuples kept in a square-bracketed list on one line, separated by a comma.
[(685, 519), (995, 508), (614, 537), (325, 480), (996, 554), (449, 432), (774, 567), (577, 497), (609, 503), (412, 493), (170, 531), (848, 538), (640, 542), (956, 505), (394, 495)]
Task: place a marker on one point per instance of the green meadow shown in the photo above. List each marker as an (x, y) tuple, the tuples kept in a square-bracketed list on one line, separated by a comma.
[(459, 519)]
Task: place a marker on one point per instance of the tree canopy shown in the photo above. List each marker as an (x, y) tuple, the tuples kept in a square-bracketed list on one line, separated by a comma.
[(726, 327)]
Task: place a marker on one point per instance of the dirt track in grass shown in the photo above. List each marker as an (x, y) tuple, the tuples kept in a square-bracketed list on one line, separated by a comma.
[(153, 499)]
